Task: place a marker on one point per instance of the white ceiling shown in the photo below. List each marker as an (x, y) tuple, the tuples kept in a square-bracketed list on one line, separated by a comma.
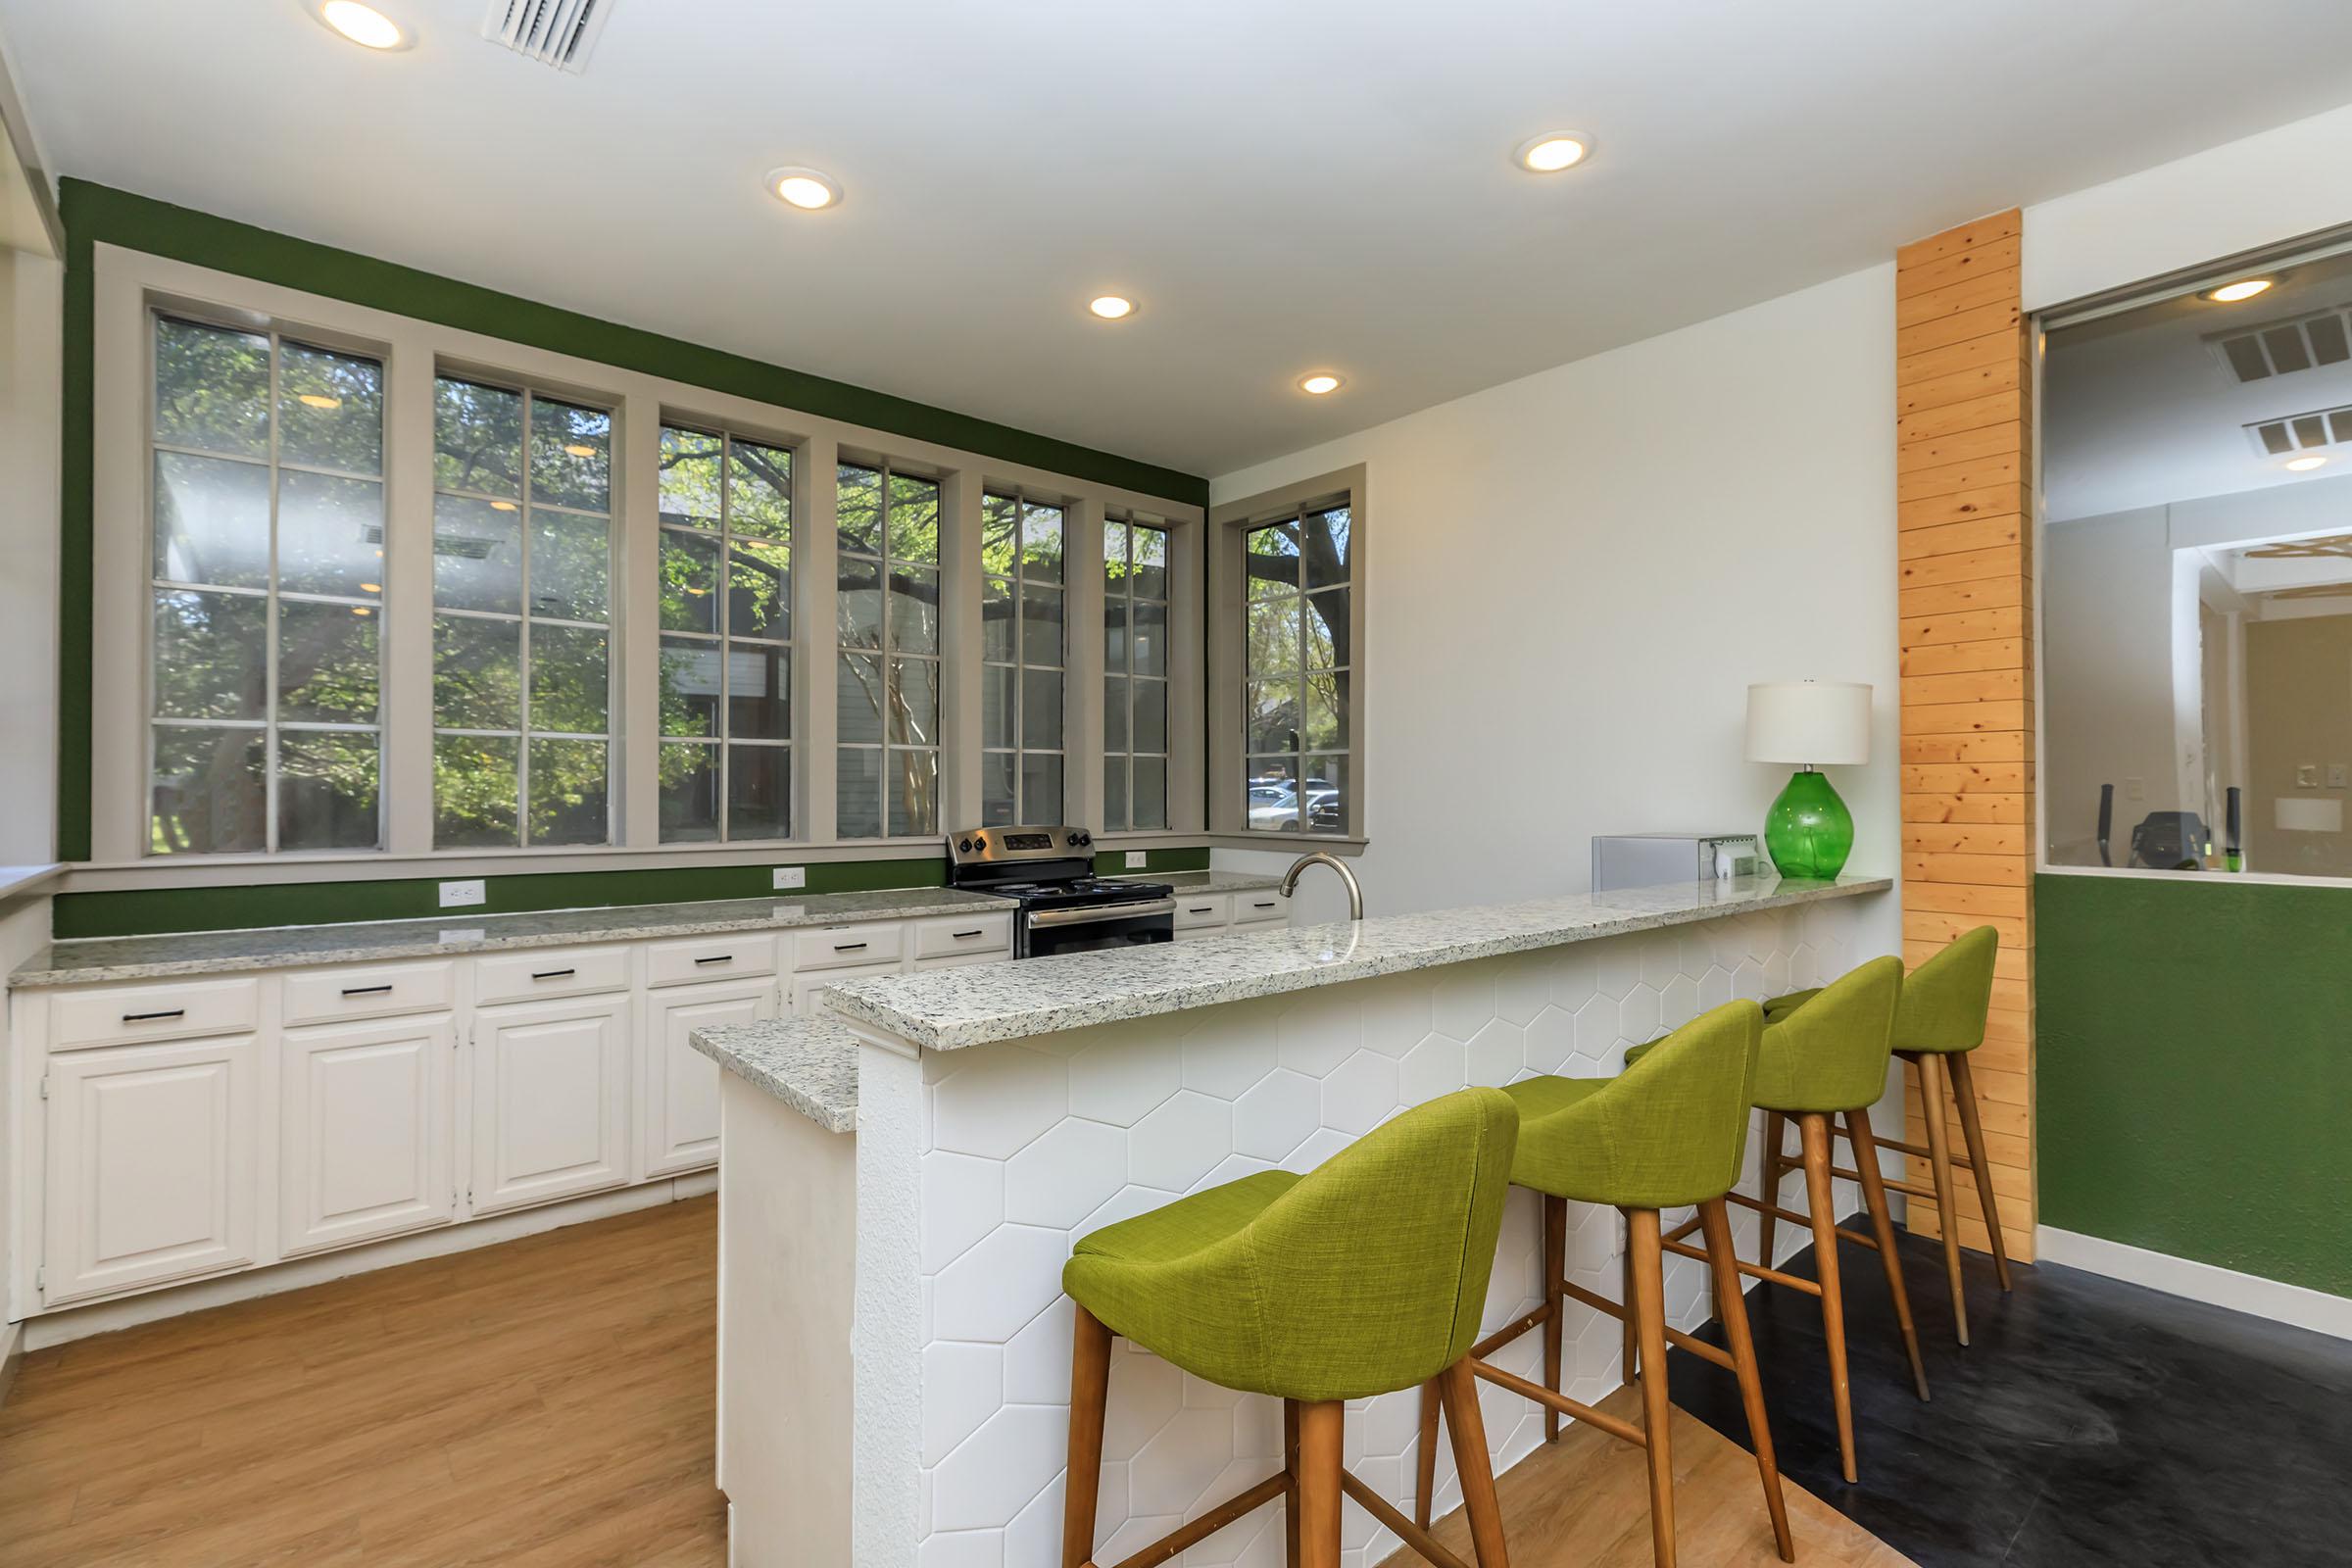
[(1284, 186), (2139, 408)]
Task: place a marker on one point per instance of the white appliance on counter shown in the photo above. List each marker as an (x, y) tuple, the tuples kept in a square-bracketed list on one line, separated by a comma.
[(1650, 860)]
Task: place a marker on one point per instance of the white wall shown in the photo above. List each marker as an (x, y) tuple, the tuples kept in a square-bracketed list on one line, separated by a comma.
[(1573, 577)]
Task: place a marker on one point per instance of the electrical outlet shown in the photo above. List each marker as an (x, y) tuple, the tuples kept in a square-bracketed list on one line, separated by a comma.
[(461, 895), (2307, 775), (1137, 859), (2339, 777), (790, 876)]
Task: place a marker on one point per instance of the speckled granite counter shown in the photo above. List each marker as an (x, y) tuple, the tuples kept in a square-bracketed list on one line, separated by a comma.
[(810, 1065), (948, 1010), (109, 959), (1199, 883)]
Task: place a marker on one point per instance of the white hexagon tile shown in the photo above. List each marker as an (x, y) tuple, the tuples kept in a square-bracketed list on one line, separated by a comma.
[(1030, 1148)]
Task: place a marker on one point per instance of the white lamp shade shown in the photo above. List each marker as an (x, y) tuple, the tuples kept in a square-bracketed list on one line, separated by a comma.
[(1809, 722)]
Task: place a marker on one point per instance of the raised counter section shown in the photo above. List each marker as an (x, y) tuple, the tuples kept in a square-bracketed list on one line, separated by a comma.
[(111, 959), (810, 1065), (948, 1010)]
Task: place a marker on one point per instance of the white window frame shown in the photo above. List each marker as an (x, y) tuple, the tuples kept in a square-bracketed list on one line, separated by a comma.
[(1016, 716), (129, 284), (1128, 753)]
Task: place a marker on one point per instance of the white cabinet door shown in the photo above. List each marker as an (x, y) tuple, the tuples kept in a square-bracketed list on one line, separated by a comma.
[(678, 1085), (151, 1169), (550, 1100), (364, 1114), (805, 987)]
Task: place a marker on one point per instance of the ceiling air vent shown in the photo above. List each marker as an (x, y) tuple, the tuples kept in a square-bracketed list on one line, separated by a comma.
[(2282, 348), (2300, 433), (553, 32)]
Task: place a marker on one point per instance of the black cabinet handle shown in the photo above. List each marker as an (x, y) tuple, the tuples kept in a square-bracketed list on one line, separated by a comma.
[(1269, 905), (1206, 909), (966, 936), (717, 957), (150, 1018), (849, 946), (554, 974), (367, 991)]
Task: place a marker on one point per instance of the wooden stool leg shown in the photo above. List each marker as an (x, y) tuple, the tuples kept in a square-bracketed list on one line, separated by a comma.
[(1555, 1268), (1971, 1128), (1319, 1435), (1459, 1387), (1874, 1195), (1089, 1395), (1425, 1464), (1732, 1313), (1290, 1492), (1940, 1164), (1815, 1129), (1650, 1311), (1631, 1362), (1776, 1137)]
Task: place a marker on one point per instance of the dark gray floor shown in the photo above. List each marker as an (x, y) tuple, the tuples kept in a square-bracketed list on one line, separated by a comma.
[(2092, 1422)]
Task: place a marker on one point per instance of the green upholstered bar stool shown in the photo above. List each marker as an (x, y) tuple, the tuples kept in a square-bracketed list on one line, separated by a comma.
[(1669, 1131), (1364, 1277), (1823, 1058), (1946, 1001)]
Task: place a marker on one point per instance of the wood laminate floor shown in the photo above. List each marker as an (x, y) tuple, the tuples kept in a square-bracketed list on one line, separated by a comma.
[(544, 1403)]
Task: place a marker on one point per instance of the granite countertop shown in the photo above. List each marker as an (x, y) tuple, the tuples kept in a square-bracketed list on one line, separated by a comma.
[(109, 959), (1199, 883), (809, 1063), (948, 1010)]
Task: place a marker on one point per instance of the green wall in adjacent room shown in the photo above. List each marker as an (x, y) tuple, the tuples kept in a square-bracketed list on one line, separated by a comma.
[(2193, 1070), (235, 909), (96, 215)]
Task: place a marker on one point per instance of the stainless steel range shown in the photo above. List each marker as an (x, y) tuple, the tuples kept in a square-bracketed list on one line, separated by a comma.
[(1049, 874)]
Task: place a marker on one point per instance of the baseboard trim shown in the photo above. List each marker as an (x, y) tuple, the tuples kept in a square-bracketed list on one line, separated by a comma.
[(2274, 1300), (11, 1352), (104, 1317)]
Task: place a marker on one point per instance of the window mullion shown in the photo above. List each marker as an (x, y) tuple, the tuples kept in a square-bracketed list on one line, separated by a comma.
[(633, 618), (1082, 664), (407, 714)]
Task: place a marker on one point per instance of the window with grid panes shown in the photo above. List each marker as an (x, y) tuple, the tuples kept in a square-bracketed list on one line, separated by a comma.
[(1021, 649), (523, 568), (887, 679), (266, 572), (725, 761), (1135, 676), (1295, 742)]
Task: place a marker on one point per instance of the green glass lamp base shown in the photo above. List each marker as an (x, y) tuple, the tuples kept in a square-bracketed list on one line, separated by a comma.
[(1809, 832)]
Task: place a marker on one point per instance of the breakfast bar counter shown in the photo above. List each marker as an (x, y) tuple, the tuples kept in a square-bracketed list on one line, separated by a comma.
[(894, 1343)]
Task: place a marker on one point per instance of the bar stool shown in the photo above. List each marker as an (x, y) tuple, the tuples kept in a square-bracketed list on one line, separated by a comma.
[(1364, 1277), (1945, 1002), (1668, 1132), (1826, 1056)]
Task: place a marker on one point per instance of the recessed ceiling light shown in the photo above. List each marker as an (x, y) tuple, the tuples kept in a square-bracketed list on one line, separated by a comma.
[(1111, 307), (495, 505), (372, 587), (805, 188), (2245, 288), (2305, 464), (1553, 151), (1319, 384), (579, 451), (363, 25), (318, 399)]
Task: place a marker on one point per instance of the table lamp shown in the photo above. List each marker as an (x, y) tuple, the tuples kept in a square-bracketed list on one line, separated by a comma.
[(1808, 831)]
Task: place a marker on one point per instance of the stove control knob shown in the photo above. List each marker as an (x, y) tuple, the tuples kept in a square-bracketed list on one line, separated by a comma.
[(1085, 837), (965, 846), (1074, 841)]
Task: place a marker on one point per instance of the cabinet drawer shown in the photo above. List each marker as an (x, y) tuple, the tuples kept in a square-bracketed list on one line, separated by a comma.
[(837, 946), (715, 957), (173, 1010), (321, 996), (550, 972), (970, 932), (1206, 908), (1256, 908)]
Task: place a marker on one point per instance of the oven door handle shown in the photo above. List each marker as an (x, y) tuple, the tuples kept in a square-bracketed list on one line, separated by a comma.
[(1044, 920)]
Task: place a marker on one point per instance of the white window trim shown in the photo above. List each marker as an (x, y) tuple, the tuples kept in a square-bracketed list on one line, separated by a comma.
[(128, 284), (1227, 522)]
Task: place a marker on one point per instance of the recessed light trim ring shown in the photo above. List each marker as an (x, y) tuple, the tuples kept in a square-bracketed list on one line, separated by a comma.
[(806, 190), (1553, 152), (355, 22)]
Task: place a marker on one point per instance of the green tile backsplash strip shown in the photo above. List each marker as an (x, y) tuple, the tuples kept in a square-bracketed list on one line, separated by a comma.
[(150, 911)]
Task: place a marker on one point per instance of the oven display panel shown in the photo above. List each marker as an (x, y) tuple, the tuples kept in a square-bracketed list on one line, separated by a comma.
[(1026, 841)]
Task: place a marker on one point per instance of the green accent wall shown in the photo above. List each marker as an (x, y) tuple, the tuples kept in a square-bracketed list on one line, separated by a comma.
[(231, 909), (2193, 1070), (98, 213)]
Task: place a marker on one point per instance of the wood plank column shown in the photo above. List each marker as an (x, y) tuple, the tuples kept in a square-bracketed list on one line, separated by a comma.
[(1964, 476)]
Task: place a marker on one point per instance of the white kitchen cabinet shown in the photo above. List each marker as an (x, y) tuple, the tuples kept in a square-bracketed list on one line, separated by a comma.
[(678, 1085), (366, 1113), (805, 987), (151, 1165), (550, 1100)]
